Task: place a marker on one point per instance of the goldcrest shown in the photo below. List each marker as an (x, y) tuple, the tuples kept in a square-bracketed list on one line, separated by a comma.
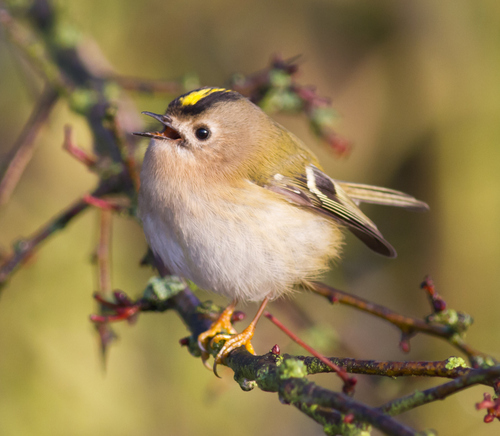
[(236, 203)]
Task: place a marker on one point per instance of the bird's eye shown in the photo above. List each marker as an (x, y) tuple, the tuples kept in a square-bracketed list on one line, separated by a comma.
[(202, 133)]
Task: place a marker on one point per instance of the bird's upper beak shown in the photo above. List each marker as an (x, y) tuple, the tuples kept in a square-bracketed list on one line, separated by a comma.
[(168, 133)]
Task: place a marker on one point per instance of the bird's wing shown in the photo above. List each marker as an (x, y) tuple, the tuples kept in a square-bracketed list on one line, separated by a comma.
[(315, 190)]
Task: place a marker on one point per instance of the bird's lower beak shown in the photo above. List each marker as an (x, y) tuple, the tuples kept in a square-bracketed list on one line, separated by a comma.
[(168, 133)]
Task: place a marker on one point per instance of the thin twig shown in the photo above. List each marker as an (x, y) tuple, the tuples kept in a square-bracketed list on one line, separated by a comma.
[(441, 368), (25, 248), (349, 382), (405, 323), (476, 376), (89, 160), (104, 252), (106, 333), (108, 204), (408, 325), (25, 146)]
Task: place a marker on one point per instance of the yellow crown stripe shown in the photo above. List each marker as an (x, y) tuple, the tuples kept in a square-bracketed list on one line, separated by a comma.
[(195, 96)]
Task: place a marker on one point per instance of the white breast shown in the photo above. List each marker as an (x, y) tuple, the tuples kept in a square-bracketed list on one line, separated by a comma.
[(256, 248)]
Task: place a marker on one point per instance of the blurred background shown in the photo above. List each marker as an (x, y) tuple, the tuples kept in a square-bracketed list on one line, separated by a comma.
[(417, 88)]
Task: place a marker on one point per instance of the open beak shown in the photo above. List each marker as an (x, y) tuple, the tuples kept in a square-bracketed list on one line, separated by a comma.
[(168, 133)]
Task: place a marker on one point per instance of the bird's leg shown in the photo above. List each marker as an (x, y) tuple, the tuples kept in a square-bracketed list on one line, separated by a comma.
[(238, 340), (221, 325)]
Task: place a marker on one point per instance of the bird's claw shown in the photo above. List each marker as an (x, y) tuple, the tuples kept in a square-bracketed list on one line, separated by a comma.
[(223, 324), (233, 342)]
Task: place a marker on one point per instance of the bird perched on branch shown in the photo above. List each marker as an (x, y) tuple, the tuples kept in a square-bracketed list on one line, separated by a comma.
[(234, 202)]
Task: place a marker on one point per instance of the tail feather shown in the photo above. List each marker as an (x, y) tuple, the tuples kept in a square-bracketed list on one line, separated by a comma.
[(360, 193)]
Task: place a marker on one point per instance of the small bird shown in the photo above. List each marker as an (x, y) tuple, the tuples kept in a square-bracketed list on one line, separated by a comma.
[(236, 203)]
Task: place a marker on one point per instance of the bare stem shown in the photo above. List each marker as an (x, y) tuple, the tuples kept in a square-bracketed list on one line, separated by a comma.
[(476, 376), (78, 153), (25, 146), (104, 252), (26, 247), (408, 325), (349, 382), (441, 368)]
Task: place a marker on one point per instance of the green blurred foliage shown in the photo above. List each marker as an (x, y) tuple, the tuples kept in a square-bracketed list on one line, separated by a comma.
[(417, 85)]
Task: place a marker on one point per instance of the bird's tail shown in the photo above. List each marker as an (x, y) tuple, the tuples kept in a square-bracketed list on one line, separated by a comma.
[(360, 193)]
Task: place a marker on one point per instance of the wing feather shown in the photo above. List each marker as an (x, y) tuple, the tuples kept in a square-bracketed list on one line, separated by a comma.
[(316, 190)]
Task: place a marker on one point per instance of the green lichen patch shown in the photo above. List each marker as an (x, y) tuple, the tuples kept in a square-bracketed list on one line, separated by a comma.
[(458, 321), (405, 404), (292, 368), (455, 362), (160, 289)]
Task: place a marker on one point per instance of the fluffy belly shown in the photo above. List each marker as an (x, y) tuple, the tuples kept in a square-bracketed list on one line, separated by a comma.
[(261, 248)]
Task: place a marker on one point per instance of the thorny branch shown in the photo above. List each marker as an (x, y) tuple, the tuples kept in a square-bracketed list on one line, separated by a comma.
[(68, 76)]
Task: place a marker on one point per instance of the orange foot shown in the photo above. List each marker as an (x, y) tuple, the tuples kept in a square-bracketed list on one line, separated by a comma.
[(233, 342), (222, 325), (239, 340)]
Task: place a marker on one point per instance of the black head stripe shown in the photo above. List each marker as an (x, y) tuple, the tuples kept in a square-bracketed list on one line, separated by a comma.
[(195, 102)]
